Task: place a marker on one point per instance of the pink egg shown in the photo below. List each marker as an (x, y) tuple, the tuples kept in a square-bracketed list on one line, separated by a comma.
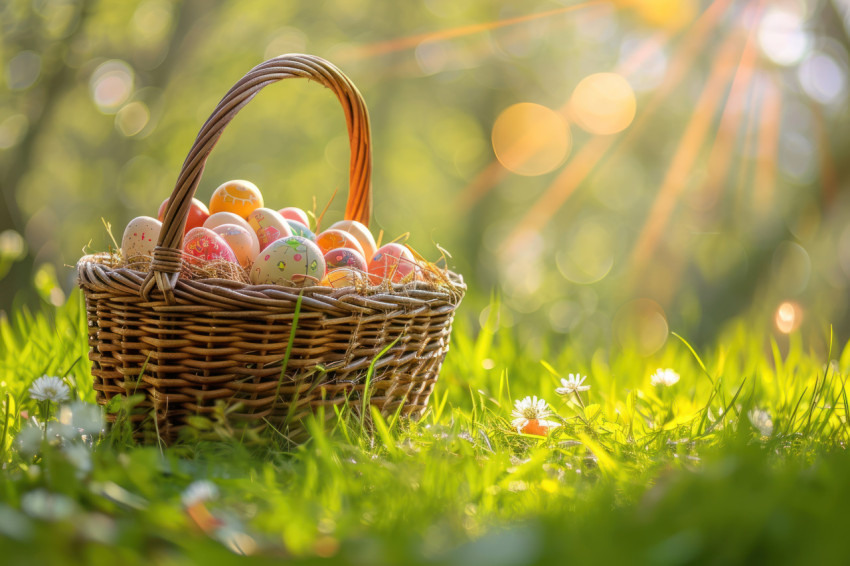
[(203, 243), (345, 257), (295, 213), (242, 241), (269, 226), (220, 218), (391, 261)]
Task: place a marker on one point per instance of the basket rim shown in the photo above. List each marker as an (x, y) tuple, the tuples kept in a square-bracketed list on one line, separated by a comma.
[(94, 273)]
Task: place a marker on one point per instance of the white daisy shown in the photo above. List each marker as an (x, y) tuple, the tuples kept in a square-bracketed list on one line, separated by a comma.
[(532, 409), (761, 421), (573, 384), (47, 388), (664, 377), (198, 492)]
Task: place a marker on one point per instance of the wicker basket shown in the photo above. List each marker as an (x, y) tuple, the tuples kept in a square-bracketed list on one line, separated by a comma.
[(188, 344)]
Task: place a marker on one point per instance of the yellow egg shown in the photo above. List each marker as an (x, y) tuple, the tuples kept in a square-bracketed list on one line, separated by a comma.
[(241, 240), (343, 277), (140, 237), (269, 226), (238, 196), (361, 233), (291, 261)]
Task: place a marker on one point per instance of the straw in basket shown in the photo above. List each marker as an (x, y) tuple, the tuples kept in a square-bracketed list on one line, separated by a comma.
[(271, 354)]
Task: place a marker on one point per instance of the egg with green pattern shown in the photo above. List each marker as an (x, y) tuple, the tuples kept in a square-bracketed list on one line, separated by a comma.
[(291, 261)]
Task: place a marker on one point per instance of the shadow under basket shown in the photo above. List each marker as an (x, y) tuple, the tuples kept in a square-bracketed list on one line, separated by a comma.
[(271, 354)]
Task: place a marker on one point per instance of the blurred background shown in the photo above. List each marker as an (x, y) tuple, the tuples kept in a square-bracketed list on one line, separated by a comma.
[(612, 171)]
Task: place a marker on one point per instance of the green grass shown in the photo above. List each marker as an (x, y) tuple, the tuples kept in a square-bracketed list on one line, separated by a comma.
[(635, 474)]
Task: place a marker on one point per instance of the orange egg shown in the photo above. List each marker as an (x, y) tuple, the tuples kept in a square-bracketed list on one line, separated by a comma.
[(243, 242), (391, 261), (239, 197), (332, 238), (343, 277), (361, 233)]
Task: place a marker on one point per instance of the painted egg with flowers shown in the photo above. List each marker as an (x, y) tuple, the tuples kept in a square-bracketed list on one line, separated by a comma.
[(291, 261)]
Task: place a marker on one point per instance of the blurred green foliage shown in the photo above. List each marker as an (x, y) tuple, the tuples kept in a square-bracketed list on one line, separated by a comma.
[(102, 101)]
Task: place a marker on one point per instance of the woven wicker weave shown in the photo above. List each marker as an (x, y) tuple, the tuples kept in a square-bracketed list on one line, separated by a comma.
[(188, 344)]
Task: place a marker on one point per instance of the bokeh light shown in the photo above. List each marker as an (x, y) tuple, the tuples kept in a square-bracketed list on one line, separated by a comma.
[(668, 14), (603, 103), (788, 317), (23, 70), (642, 325), (111, 85), (823, 78), (587, 255), (531, 139), (782, 36), (132, 118), (12, 129)]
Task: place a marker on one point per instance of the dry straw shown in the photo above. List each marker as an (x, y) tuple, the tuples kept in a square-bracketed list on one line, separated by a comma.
[(188, 339)]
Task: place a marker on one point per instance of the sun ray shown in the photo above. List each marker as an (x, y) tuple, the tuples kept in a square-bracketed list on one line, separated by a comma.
[(584, 162), (828, 171), (410, 42), (686, 153), (720, 156), (768, 145), (746, 168)]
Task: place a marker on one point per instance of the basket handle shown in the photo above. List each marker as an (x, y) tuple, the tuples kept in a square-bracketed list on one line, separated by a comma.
[(167, 256)]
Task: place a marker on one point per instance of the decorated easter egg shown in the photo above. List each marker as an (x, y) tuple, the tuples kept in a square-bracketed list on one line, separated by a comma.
[(292, 261), (332, 238), (241, 240), (295, 213), (220, 218), (203, 243), (198, 214), (343, 277), (345, 257), (391, 261), (361, 233), (269, 226), (238, 196), (140, 237), (300, 229)]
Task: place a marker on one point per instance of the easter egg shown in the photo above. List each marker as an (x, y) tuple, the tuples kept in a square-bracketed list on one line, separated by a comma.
[(332, 238), (220, 218), (269, 226), (345, 257), (140, 237), (295, 213), (343, 277), (391, 261), (238, 196), (291, 261), (241, 240), (299, 229), (361, 233), (202, 243), (198, 214)]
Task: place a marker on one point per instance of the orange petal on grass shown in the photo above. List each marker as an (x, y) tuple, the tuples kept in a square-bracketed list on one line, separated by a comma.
[(533, 426), (202, 517)]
